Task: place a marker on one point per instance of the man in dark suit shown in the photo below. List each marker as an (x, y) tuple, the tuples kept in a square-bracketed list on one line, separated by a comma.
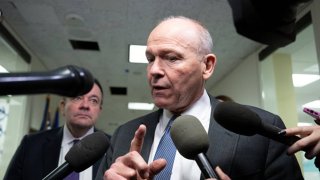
[(180, 61), (40, 153)]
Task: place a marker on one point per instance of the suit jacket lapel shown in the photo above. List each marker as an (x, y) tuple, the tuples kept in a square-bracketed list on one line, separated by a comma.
[(221, 142), (96, 165), (51, 151), (95, 168), (151, 124)]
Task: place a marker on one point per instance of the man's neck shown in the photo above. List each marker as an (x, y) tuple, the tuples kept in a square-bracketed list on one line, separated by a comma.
[(78, 132)]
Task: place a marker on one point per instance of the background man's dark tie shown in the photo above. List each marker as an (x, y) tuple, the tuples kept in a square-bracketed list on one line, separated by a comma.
[(74, 175)]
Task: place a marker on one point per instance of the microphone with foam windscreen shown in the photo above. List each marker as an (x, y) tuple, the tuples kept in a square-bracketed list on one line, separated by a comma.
[(81, 156), (192, 142), (68, 81), (241, 120)]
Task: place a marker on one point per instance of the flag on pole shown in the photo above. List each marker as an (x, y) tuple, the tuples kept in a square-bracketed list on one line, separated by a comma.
[(46, 122), (55, 123)]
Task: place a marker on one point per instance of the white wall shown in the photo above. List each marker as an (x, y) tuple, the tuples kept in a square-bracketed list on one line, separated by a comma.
[(242, 83)]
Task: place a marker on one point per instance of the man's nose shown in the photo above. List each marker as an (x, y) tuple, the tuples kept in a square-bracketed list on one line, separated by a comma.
[(156, 68), (84, 103)]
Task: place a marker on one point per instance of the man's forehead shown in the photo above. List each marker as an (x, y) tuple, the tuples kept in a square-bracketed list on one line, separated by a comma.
[(166, 47), (95, 92), (167, 43), (170, 34)]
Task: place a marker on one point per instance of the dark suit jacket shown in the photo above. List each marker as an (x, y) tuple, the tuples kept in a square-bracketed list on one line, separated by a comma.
[(37, 155), (241, 157)]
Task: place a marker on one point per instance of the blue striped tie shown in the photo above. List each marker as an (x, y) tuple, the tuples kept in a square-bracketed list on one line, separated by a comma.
[(166, 150)]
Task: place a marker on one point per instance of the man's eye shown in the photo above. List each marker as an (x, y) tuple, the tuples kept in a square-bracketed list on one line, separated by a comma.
[(77, 98), (171, 58), (94, 101), (150, 59)]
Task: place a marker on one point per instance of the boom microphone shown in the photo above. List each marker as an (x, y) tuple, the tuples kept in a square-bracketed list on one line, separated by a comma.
[(191, 140), (81, 156), (270, 22), (69, 81), (241, 120)]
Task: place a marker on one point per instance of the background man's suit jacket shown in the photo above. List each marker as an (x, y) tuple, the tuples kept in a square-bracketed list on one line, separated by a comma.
[(37, 155), (241, 157)]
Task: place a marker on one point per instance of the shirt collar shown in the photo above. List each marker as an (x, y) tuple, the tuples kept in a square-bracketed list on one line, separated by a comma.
[(199, 109), (68, 138), (200, 106)]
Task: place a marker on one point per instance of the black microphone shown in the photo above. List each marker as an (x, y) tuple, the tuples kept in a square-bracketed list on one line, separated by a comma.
[(191, 140), (241, 120), (68, 81), (81, 156)]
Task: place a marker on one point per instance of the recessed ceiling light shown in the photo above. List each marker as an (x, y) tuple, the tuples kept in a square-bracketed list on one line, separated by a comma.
[(137, 54), (300, 80), (140, 106)]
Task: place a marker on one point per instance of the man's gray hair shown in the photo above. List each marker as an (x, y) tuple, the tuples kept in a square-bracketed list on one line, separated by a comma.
[(206, 44)]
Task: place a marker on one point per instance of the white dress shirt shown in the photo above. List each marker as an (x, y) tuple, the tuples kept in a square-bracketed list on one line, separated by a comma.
[(67, 143), (184, 169)]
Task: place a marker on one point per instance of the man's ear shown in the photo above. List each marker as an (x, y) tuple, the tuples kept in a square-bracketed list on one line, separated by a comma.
[(62, 104), (209, 63)]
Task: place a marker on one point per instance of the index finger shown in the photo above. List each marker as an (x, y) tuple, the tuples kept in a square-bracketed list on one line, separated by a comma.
[(302, 131), (137, 141)]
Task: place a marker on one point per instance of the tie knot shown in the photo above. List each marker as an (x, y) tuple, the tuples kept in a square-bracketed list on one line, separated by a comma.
[(174, 117), (75, 141), (171, 120)]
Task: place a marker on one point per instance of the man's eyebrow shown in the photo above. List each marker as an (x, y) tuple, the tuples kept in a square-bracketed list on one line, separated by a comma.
[(94, 96)]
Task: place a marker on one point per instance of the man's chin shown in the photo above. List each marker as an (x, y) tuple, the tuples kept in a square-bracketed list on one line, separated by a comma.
[(162, 104), (83, 124), (83, 127)]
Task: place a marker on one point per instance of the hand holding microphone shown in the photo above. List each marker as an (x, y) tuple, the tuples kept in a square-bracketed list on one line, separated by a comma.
[(310, 138), (241, 120), (310, 142)]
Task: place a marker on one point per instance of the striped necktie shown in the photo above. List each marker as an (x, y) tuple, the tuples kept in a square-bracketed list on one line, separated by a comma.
[(166, 150)]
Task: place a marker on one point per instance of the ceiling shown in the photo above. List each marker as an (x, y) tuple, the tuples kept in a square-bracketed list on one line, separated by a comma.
[(47, 26)]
